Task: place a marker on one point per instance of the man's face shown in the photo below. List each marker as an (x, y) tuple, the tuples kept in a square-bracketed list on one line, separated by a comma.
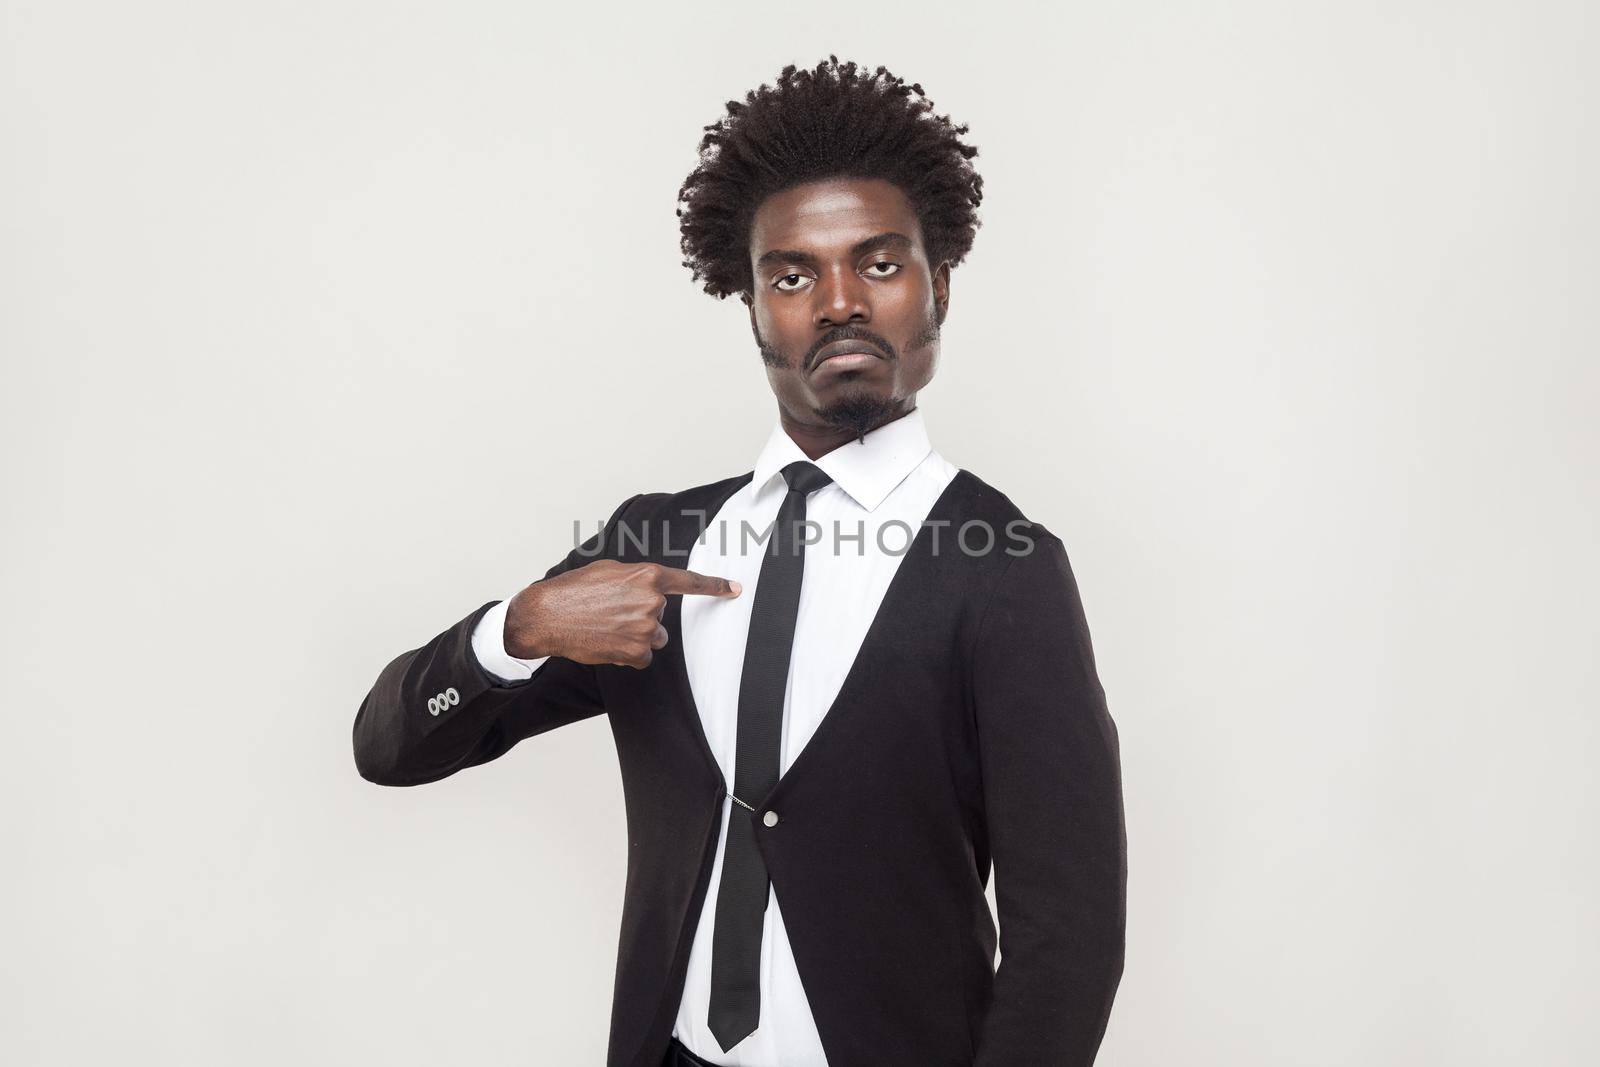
[(839, 267)]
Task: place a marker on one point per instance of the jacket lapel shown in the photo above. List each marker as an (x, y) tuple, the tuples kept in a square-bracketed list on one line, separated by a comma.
[(679, 528)]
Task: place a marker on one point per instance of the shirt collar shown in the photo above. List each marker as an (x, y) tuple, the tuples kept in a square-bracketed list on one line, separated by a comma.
[(867, 469)]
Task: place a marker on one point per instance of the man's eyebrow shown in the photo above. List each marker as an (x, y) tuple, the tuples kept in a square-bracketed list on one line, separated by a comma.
[(885, 240), (781, 255), (889, 239)]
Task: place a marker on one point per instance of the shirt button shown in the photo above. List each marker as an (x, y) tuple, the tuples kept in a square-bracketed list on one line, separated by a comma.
[(770, 818)]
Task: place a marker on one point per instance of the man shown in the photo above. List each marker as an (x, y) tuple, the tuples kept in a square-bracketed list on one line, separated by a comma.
[(827, 730)]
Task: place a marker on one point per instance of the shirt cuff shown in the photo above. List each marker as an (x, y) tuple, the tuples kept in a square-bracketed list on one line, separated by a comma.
[(489, 645)]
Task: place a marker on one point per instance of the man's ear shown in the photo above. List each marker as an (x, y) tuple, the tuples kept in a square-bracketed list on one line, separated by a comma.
[(750, 305), (941, 291)]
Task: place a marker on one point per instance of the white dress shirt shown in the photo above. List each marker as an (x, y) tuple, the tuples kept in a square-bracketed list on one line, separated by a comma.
[(883, 488)]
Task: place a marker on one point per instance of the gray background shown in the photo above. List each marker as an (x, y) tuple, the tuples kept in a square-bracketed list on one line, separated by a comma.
[(323, 323)]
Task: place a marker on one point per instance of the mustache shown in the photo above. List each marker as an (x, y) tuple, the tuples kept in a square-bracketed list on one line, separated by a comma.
[(850, 333)]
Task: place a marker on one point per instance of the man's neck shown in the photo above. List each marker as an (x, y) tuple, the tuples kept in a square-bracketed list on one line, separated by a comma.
[(818, 440)]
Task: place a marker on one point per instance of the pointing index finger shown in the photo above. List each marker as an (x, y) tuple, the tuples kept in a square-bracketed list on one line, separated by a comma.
[(683, 580)]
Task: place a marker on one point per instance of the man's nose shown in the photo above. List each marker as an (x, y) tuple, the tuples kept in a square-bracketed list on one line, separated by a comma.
[(841, 297)]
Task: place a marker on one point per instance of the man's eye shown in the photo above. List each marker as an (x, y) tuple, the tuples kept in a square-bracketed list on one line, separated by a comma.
[(787, 277), (885, 263)]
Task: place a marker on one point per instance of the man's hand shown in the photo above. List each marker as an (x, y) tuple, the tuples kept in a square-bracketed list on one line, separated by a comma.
[(605, 612)]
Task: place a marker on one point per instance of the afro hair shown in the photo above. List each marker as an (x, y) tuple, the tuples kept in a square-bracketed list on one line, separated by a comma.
[(835, 120)]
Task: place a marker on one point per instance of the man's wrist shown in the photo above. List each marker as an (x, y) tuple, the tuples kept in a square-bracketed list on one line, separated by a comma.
[(488, 645), (524, 637)]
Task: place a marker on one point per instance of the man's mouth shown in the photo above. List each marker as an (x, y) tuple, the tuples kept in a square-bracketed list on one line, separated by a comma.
[(846, 355)]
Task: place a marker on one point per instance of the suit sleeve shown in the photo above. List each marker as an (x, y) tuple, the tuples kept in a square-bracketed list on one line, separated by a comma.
[(435, 710), (1052, 788)]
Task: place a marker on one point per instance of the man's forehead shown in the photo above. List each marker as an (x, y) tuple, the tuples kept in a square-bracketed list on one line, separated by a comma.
[(835, 213)]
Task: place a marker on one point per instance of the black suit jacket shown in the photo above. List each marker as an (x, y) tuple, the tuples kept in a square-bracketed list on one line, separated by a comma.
[(972, 725)]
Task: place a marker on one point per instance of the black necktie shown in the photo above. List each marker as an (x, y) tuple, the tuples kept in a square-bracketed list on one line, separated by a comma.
[(742, 892)]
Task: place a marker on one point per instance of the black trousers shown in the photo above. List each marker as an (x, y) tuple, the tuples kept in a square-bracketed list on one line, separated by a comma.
[(679, 1056)]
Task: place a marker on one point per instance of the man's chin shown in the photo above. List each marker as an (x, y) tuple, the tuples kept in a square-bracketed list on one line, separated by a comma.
[(857, 412)]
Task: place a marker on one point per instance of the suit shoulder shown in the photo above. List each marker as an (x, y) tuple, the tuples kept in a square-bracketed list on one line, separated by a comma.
[(647, 524), (984, 502), (695, 498)]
